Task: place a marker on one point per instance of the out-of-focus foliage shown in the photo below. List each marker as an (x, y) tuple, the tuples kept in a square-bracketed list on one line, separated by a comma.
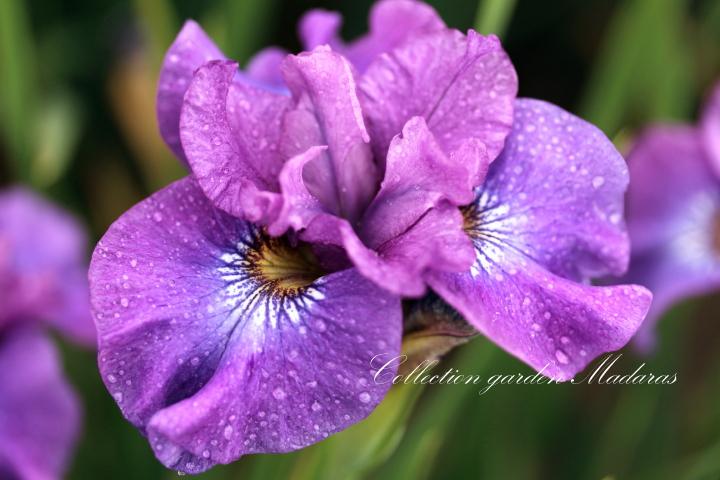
[(77, 85)]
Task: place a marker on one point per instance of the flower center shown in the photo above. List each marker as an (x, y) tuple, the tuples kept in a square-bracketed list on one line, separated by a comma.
[(285, 267)]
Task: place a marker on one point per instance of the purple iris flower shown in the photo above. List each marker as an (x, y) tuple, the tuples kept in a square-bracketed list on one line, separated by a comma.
[(42, 280), (673, 210), (239, 310)]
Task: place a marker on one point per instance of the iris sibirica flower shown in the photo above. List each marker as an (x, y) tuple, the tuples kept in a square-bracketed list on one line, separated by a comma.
[(240, 309), (673, 212), (42, 282)]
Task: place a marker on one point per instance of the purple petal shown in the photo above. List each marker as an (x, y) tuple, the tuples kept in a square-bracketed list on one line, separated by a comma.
[(435, 242), (299, 206), (464, 87), (554, 325), (209, 359), (191, 49), (418, 176), (555, 194), (43, 265), (230, 133), (264, 67), (328, 113), (673, 217), (710, 128), (39, 413), (392, 23)]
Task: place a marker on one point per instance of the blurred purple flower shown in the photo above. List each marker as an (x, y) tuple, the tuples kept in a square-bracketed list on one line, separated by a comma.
[(239, 309), (673, 212), (42, 281)]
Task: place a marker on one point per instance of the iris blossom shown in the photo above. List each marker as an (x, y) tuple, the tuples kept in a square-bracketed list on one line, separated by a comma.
[(42, 281), (240, 309), (674, 212)]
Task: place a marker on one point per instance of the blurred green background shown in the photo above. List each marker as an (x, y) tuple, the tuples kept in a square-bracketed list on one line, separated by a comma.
[(77, 122)]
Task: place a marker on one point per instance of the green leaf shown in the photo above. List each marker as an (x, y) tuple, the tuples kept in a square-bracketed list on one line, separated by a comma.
[(493, 16), (17, 85)]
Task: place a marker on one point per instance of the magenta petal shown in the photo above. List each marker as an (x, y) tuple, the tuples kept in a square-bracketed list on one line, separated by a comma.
[(328, 113), (673, 214), (230, 133), (710, 129), (320, 27), (39, 413), (212, 362), (420, 175), (392, 23), (436, 241), (264, 67), (191, 49), (43, 266), (556, 194), (554, 325), (299, 206), (464, 87)]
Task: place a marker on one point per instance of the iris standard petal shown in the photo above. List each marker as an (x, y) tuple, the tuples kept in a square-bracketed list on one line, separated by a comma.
[(392, 23), (43, 265), (230, 133), (327, 112), (217, 341), (436, 241), (420, 175), (673, 212), (463, 85), (39, 413), (191, 49)]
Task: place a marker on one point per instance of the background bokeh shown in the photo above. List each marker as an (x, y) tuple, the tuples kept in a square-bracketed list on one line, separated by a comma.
[(77, 122)]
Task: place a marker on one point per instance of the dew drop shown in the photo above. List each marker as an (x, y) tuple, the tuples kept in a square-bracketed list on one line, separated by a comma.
[(561, 357), (364, 397)]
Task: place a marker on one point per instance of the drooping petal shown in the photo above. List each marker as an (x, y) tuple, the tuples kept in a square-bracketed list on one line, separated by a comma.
[(191, 49), (549, 214), (710, 129), (418, 176), (328, 113), (556, 193), (554, 325), (436, 241), (392, 23), (39, 413), (464, 87), (213, 359), (43, 266), (230, 133), (673, 215)]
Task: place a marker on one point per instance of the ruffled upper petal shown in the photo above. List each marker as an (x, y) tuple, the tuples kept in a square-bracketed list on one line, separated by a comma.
[(230, 133), (418, 176), (213, 359), (549, 214), (436, 241), (710, 129), (464, 87), (191, 49), (327, 112), (43, 266), (392, 23), (39, 413), (673, 214)]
